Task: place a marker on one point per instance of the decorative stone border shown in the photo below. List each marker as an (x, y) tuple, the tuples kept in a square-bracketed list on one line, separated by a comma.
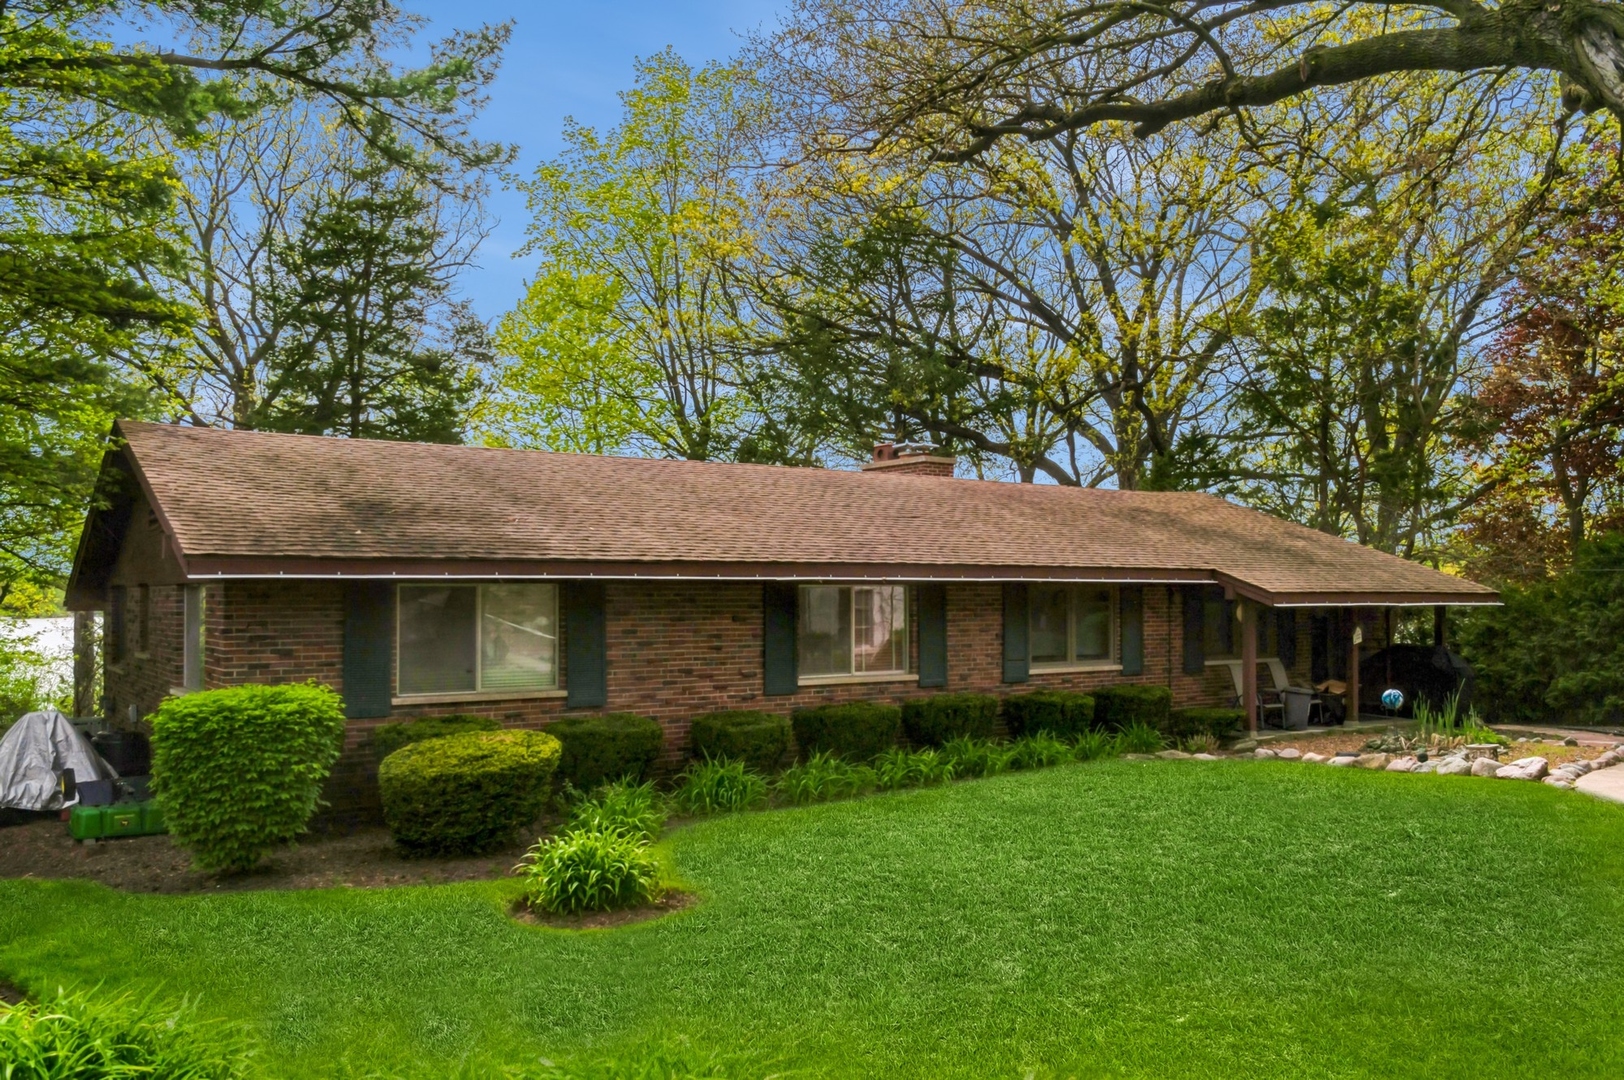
[(1476, 760)]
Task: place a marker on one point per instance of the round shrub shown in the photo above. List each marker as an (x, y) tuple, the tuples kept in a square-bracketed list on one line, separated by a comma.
[(857, 730), (464, 794), (590, 870), (1117, 708), (1217, 722), (238, 772), (388, 738), (603, 749), (1065, 714), (941, 718), (758, 739)]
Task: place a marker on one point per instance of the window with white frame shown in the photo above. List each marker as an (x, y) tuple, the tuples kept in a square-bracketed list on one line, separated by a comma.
[(852, 630), (1072, 624), (476, 638)]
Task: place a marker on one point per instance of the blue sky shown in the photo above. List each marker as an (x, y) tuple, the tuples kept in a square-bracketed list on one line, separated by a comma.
[(572, 59)]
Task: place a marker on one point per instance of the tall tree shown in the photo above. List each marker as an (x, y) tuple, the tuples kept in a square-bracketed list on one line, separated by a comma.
[(628, 334)]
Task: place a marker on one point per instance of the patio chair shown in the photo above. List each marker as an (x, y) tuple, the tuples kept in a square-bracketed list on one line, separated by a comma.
[(1282, 683), (1264, 705)]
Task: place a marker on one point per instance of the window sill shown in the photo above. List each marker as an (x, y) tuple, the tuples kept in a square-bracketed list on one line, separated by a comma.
[(182, 691), (847, 680), (476, 695), (1073, 669)]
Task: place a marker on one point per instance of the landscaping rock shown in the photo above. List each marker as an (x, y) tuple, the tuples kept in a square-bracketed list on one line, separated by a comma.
[(1244, 745), (1473, 751), (1454, 766), (1263, 753), (1558, 782), (1372, 761), (1315, 758), (1204, 757), (1342, 761), (1570, 741), (1290, 753), (1526, 769), (1485, 766), (1172, 755), (1403, 764), (1428, 766)]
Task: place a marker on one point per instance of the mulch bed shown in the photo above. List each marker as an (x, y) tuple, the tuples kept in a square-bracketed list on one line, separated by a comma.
[(675, 900), (363, 857), (10, 995), (1550, 749)]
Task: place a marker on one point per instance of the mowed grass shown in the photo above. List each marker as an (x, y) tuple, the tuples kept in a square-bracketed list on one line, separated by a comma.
[(1154, 919)]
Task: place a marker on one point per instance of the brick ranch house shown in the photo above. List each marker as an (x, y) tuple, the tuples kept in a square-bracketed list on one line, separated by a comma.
[(422, 579)]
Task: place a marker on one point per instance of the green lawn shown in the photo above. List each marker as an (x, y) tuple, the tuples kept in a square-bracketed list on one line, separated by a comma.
[(1156, 919)]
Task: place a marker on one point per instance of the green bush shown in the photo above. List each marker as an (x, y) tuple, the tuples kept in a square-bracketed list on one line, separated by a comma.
[(239, 771), (1138, 738), (388, 738), (77, 1036), (718, 787), (857, 730), (1039, 751), (1217, 722), (759, 739), (463, 794), (1091, 745), (975, 757), (590, 870), (632, 808), (1062, 713), (822, 777), (938, 719), (1120, 707), (898, 768), (601, 749)]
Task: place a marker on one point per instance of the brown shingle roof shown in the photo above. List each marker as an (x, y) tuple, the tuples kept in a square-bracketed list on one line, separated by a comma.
[(255, 503)]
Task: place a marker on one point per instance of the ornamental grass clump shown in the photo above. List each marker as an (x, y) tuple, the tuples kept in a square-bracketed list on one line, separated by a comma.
[(590, 870), (1039, 751), (238, 772), (77, 1035), (823, 777), (636, 809), (464, 794), (718, 787), (975, 757), (1092, 745), (898, 768), (1138, 738)]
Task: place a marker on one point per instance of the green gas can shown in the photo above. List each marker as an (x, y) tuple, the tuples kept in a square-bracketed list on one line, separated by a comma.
[(119, 819)]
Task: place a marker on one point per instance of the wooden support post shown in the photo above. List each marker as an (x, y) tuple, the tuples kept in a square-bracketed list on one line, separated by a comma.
[(1354, 635), (1439, 616), (1248, 613), (84, 663)]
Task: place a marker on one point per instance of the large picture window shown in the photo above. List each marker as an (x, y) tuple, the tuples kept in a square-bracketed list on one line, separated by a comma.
[(1072, 624), (477, 638), (852, 630)]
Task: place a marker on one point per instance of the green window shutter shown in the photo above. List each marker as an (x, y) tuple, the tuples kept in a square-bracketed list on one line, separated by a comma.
[(586, 645), (932, 634), (1195, 655), (1133, 629), (778, 604), (369, 647), (1285, 625), (1017, 648)]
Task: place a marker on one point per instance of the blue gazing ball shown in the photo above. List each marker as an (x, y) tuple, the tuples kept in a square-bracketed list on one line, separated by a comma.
[(1393, 699)]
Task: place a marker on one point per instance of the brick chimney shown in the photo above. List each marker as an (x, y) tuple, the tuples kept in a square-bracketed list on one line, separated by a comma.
[(915, 459)]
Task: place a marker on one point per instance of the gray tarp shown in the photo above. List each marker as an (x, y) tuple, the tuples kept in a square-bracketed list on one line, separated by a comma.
[(34, 753)]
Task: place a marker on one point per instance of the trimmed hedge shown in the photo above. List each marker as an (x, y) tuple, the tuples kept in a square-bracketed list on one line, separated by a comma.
[(604, 749), (1217, 722), (758, 739), (463, 794), (941, 718), (239, 771), (1063, 713), (857, 730), (388, 738), (1119, 707)]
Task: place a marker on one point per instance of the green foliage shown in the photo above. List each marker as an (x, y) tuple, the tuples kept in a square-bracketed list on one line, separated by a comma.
[(1094, 744), (590, 870), (1217, 722), (718, 787), (388, 738), (88, 1038), (26, 681), (635, 809), (1039, 751), (858, 730), (1120, 707), (821, 777), (900, 768), (466, 793), (601, 749), (1554, 653), (759, 739), (239, 771), (1138, 738), (935, 720), (975, 757), (1062, 713)]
